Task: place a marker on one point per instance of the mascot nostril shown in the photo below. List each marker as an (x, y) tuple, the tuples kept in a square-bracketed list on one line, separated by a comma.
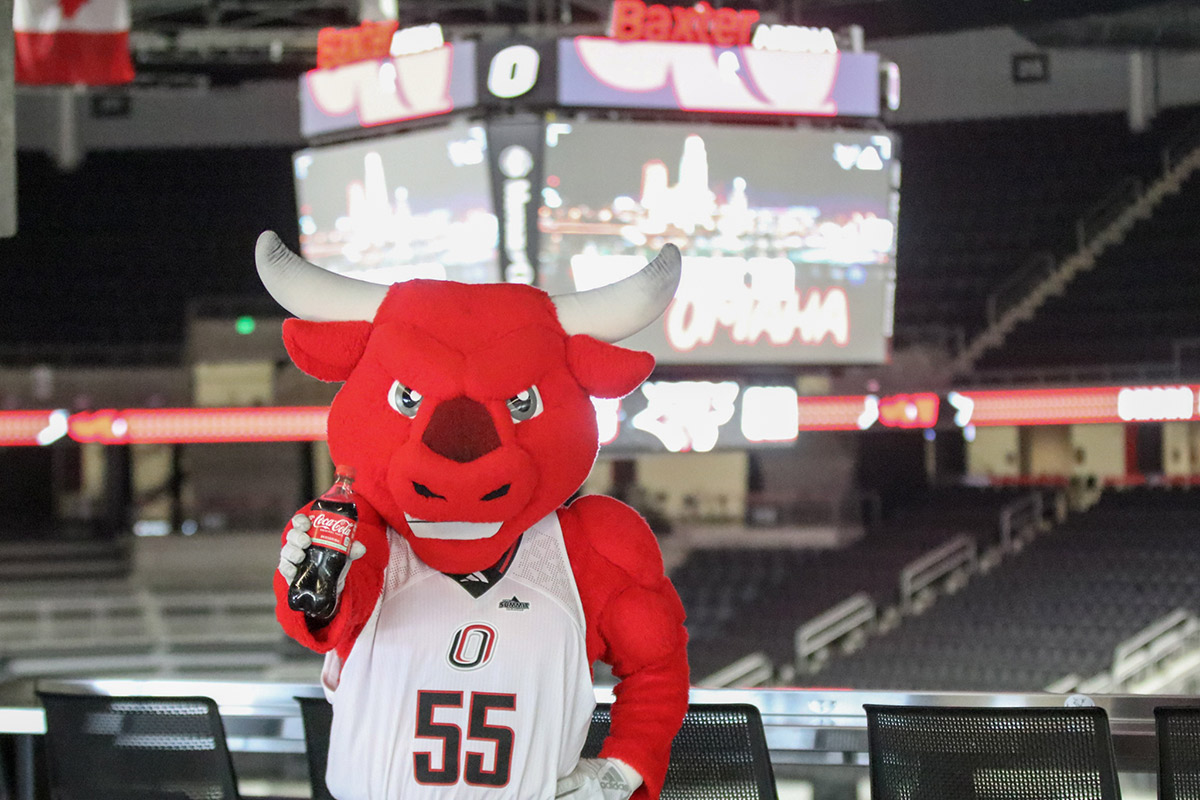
[(461, 429)]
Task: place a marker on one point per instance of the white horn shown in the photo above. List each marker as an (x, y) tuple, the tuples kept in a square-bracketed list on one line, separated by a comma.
[(621, 309), (310, 292)]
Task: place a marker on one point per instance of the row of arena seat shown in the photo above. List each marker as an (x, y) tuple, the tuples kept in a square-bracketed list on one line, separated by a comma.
[(175, 225), (742, 600), (983, 198), (114, 627), (1131, 308), (1060, 606)]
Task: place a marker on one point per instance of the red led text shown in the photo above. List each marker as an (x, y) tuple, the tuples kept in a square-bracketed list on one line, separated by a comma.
[(370, 40), (633, 19)]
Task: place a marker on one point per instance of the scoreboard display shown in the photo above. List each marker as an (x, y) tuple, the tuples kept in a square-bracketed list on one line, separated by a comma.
[(787, 250), (567, 163)]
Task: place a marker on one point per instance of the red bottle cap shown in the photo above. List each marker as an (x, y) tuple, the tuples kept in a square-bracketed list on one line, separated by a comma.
[(344, 470)]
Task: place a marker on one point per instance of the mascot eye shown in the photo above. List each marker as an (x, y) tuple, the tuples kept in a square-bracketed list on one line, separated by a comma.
[(403, 399), (526, 405)]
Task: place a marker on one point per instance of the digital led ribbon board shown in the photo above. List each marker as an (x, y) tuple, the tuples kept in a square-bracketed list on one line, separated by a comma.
[(662, 415)]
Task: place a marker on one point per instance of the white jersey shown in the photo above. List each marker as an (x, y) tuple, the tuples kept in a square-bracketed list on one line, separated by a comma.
[(449, 696)]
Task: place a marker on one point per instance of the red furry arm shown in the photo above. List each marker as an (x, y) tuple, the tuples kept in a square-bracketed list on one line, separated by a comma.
[(361, 592), (635, 623)]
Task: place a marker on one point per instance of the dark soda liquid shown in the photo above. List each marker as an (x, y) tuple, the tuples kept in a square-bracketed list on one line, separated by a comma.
[(314, 590)]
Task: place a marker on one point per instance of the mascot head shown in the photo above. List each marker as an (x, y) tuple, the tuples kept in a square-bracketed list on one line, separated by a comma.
[(466, 409)]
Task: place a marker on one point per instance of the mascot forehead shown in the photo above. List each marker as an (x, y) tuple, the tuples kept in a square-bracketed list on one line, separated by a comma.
[(468, 316)]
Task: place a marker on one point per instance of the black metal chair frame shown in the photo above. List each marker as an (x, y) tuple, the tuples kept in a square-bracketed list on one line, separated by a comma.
[(61, 744), (317, 715), (1178, 752), (956, 763), (745, 765)]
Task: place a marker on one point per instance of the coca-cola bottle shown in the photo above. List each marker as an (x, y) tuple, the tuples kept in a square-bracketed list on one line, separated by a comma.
[(334, 518)]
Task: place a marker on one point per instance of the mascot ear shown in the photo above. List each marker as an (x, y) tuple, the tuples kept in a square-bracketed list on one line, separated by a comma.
[(328, 351), (604, 369)]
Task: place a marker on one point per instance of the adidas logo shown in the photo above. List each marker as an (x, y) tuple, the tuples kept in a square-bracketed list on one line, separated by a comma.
[(611, 779), (513, 604)]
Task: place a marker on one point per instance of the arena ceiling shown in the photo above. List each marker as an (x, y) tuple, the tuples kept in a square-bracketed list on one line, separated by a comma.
[(228, 41)]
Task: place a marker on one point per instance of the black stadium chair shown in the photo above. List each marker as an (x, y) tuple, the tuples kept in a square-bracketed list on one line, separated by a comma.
[(317, 714), (930, 753), (101, 747), (1177, 730), (720, 753)]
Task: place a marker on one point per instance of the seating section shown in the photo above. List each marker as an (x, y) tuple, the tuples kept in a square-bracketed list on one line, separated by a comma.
[(1059, 607), (1128, 310), (53, 554), (981, 198), (173, 226), (116, 628), (743, 600)]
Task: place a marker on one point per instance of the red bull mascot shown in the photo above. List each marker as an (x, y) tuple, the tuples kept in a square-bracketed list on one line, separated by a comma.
[(458, 659)]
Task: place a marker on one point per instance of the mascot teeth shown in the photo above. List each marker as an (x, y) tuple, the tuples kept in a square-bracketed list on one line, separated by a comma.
[(455, 531)]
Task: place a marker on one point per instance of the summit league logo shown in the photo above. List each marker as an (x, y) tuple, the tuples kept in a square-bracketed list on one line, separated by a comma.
[(513, 604)]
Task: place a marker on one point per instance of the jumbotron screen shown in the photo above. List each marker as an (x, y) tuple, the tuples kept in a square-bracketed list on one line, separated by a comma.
[(408, 205), (788, 234)]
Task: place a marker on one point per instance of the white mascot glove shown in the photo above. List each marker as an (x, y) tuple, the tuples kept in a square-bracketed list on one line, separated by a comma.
[(599, 779), (295, 549)]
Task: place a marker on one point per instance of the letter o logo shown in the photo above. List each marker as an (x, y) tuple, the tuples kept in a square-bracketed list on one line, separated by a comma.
[(513, 71), (472, 646)]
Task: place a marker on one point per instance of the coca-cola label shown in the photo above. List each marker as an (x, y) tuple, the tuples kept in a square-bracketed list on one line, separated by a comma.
[(332, 530)]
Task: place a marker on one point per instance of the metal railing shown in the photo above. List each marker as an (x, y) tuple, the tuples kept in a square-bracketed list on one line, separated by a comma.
[(1107, 210), (1182, 146), (1019, 283), (1043, 265), (921, 576), (754, 669), (1147, 651), (941, 570), (1104, 225), (1021, 520), (1164, 652), (142, 630), (854, 618)]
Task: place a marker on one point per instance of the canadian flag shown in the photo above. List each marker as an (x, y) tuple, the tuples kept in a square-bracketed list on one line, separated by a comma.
[(72, 42)]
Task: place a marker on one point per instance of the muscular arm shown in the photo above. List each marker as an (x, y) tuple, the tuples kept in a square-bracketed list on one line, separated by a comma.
[(635, 624), (363, 584)]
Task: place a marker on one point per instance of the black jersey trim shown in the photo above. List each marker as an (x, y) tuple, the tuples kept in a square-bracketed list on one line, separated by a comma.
[(478, 583)]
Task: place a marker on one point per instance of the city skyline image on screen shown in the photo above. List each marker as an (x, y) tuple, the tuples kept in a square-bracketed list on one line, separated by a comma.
[(409, 205), (788, 234)]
